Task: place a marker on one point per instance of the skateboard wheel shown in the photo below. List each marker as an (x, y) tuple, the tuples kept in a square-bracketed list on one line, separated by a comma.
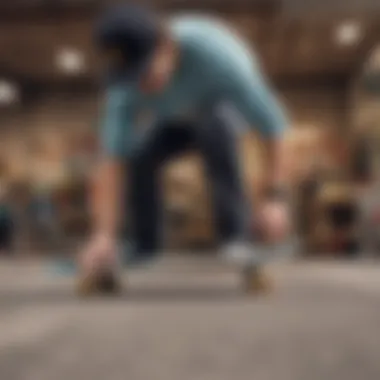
[(105, 283), (108, 283), (86, 286), (257, 281)]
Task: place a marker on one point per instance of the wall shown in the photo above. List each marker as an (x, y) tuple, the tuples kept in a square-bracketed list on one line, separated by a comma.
[(35, 140), (318, 114), (319, 127)]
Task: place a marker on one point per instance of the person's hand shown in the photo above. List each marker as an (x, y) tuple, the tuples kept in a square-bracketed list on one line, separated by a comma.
[(274, 221), (100, 252)]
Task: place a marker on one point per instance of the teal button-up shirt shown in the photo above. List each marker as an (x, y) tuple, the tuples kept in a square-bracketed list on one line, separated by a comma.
[(214, 62)]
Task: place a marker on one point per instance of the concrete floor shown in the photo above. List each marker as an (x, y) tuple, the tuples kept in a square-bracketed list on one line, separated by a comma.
[(191, 322)]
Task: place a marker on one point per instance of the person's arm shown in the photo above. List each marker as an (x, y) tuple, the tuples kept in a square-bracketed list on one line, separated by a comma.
[(104, 197), (275, 178), (108, 177), (258, 105)]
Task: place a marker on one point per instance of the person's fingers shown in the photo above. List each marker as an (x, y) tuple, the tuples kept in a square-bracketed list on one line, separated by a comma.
[(274, 222), (88, 260), (89, 256), (97, 256)]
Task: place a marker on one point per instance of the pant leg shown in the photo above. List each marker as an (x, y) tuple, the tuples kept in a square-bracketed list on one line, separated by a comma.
[(217, 139), (165, 141)]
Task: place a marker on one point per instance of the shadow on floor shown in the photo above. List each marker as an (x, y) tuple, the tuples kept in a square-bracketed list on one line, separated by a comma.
[(146, 295)]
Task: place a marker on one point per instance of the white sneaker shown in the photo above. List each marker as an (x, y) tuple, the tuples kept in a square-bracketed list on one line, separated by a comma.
[(239, 253)]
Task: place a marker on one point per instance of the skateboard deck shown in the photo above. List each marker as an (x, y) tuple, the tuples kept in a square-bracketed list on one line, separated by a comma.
[(253, 278)]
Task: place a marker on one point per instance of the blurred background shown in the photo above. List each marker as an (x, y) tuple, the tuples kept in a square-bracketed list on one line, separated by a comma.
[(189, 320), (321, 56)]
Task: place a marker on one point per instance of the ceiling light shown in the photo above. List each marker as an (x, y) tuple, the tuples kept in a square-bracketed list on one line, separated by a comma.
[(348, 33), (70, 61), (8, 93)]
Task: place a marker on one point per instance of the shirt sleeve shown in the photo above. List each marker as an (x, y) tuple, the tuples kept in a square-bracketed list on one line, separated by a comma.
[(254, 99), (116, 131)]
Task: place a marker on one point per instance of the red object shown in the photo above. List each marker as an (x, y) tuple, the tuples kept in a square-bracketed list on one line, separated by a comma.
[(376, 217)]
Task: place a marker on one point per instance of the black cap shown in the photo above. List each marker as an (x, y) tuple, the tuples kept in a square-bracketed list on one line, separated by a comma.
[(134, 31)]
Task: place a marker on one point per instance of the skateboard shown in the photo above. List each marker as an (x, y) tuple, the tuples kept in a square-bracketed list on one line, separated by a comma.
[(254, 281)]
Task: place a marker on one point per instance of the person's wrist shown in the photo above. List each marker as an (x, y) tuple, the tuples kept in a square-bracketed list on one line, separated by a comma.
[(276, 192)]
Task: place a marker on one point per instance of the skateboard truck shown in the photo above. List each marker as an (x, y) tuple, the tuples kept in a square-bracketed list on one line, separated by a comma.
[(105, 282), (255, 280)]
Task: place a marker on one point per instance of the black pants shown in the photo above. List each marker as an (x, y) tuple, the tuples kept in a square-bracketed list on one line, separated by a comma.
[(6, 234), (215, 138)]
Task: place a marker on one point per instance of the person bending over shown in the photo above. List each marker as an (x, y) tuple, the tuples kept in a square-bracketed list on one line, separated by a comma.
[(171, 86)]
